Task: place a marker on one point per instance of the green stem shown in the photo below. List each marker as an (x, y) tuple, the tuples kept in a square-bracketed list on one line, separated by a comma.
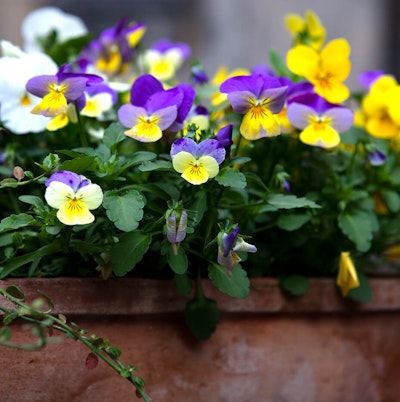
[(82, 132)]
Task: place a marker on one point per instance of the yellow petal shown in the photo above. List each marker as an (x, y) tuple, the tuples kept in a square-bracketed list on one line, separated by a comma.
[(259, 122), (74, 212), (334, 92), (183, 160), (51, 105), (303, 60), (294, 23), (321, 135), (58, 122), (145, 132), (347, 278)]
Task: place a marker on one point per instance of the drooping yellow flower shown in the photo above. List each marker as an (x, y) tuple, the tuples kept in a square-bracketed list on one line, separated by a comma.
[(308, 30), (380, 108), (326, 69), (347, 278)]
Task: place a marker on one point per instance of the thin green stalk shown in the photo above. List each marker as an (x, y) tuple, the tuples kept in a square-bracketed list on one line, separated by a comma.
[(81, 128)]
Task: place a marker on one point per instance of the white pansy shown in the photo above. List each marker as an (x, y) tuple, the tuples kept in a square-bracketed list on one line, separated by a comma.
[(42, 21), (15, 102)]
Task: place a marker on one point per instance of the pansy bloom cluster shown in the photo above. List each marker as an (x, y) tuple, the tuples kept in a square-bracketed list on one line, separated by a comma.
[(260, 170)]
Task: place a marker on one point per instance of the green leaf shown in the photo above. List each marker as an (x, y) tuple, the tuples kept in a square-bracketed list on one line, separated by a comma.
[(79, 165), (236, 285), (183, 284), (125, 210), (199, 206), (363, 293), (202, 316), (230, 177), (295, 284), (9, 182), (358, 227), (291, 222), (15, 221), (284, 201), (148, 166), (36, 202), (113, 135), (179, 262), (16, 292), (129, 251), (392, 200), (279, 64)]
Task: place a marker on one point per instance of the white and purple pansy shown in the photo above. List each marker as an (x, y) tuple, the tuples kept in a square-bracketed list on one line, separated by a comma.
[(73, 195), (197, 162)]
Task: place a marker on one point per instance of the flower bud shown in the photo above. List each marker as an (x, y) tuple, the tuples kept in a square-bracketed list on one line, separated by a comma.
[(18, 173)]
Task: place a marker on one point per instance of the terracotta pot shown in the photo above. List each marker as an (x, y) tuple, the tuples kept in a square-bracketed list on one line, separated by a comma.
[(268, 347)]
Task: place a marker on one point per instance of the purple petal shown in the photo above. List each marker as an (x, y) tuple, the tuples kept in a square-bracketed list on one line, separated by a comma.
[(164, 45), (212, 148), (250, 83), (185, 106), (163, 99), (228, 241), (39, 85), (299, 114), (184, 145), (377, 157), (224, 136), (368, 77), (166, 116), (299, 88), (276, 97), (102, 88), (143, 87), (71, 179), (128, 115), (342, 118), (75, 88), (240, 101), (263, 70)]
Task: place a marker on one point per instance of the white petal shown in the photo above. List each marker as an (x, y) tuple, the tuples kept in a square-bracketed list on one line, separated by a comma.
[(91, 195), (57, 194)]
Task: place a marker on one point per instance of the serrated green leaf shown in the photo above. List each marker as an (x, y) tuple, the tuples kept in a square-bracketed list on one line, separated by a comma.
[(16, 221), (125, 210), (129, 251), (295, 284), (179, 262), (289, 201), (230, 177), (291, 222), (358, 227), (202, 316), (236, 285)]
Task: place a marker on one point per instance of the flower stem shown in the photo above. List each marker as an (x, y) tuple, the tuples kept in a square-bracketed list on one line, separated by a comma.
[(81, 128)]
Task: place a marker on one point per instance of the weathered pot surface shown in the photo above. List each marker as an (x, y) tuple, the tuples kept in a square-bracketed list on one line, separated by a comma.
[(268, 347)]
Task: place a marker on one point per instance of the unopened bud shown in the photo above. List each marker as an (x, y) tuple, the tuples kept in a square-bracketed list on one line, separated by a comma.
[(18, 173)]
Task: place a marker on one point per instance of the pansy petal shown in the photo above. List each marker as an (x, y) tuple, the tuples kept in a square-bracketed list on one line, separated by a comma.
[(145, 131), (184, 145), (212, 148), (253, 83), (57, 193), (165, 117), (39, 85), (205, 168), (67, 177), (299, 114), (182, 160), (241, 101), (320, 135), (74, 212), (129, 115), (91, 195), (342, 118), (259, 125), (275, 98), (302, 60), (143, 87)]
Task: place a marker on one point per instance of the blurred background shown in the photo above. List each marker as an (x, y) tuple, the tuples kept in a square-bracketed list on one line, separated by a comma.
[(237, 33)]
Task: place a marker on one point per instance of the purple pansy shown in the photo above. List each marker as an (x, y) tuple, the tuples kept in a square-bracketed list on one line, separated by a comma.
[(259, 97), (224, 136), (154, 110), (320, 121), (71, 179), (367, 78)]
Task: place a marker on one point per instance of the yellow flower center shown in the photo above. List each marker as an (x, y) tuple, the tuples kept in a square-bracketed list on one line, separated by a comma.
[(25, 101)]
